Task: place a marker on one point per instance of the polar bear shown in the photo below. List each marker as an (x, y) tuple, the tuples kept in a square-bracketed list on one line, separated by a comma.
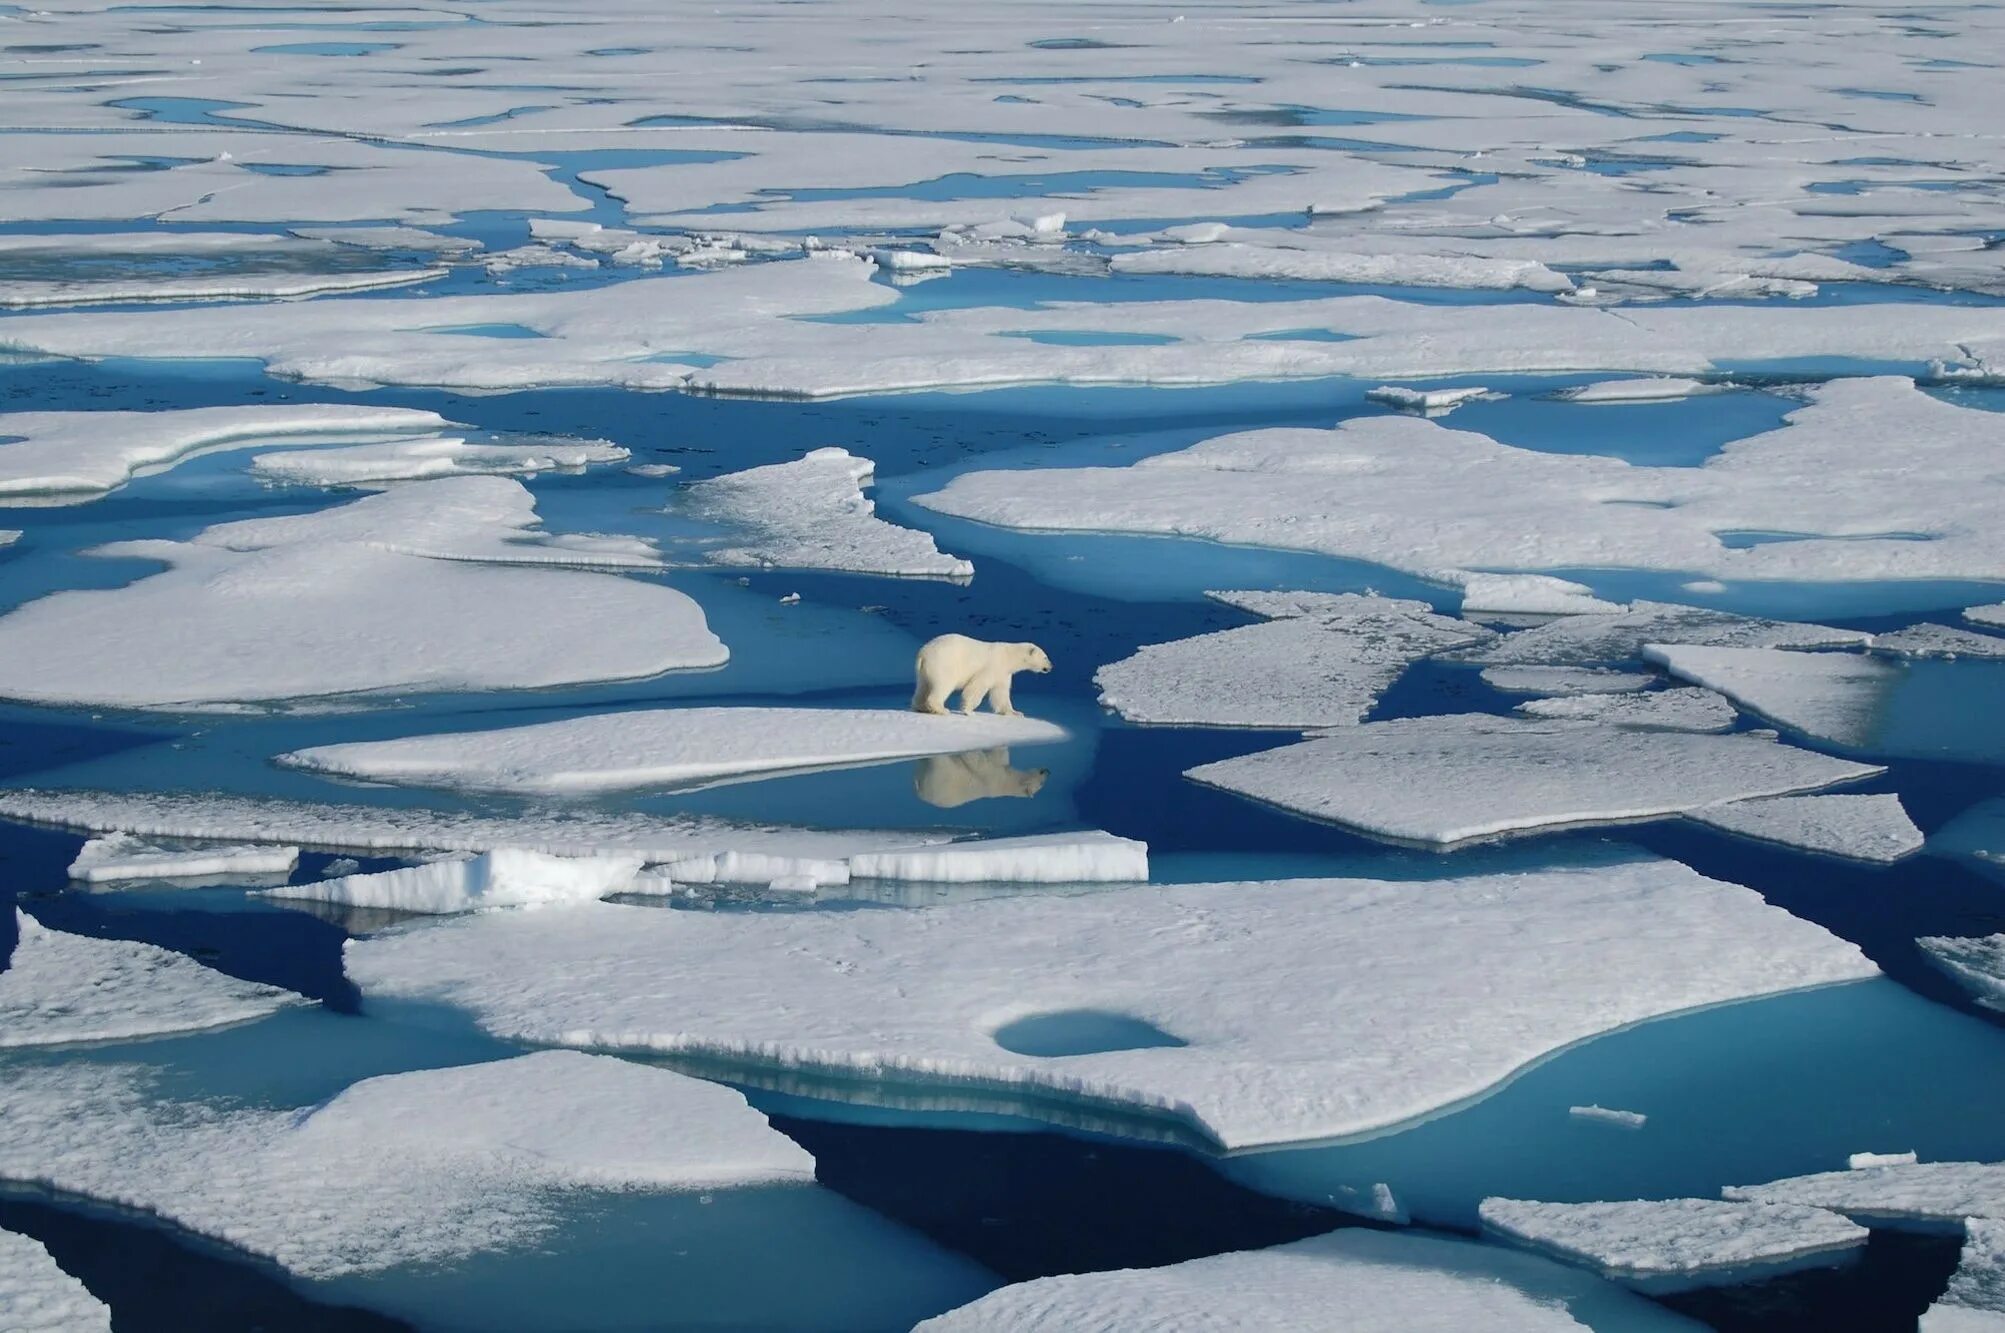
[(952, 780), (978, 670)]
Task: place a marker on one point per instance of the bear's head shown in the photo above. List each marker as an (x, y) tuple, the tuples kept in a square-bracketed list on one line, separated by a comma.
[(1034, 659)]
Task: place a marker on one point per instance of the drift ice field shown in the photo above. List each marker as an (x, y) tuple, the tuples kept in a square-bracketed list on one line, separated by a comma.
[(1512, 495)]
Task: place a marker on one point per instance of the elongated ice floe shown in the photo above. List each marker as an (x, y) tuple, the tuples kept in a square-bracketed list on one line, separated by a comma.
[(812, 514), (81, 455), (1930, 640), (36, 1296), (1859, 828), (1835, 698), (68, 988), (1297, 257), (1440, 781), (1284, 1011), (1667, 1244), (1367, 1279), (423, 1167), (1433, 402), (1562, 682), (241, 286), (1532, 595), (398, 591), (1924, 1196), (120, 856), (1990, 616), (1686, 709), (1977, 962), (666, 747), (1321, 660), (1590, 640), (419, 459), (1975, 1299), (1045, 858), (1655, 389), (505, 877)]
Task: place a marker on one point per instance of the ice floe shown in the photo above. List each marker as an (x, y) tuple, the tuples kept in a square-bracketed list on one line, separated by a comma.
[(1924, 1196), (1562, 682), (1608, 1115), (505, 877), (1440, 781), (1977, 962), (1687, 709), (1047, 858), (1990, 616), (1663, 1244), (1424, 1284), (120, 856), (1284, 1011), (1531, 595), (36, 1296), (1930, 640), (1835, 698), (1588, 640), (667, 747), (1860, 828), (812, 514), (1321, 660), (62, 988), (1432, 402), (398, 591), (1975, 1299), (419, 459), (1656, 389)]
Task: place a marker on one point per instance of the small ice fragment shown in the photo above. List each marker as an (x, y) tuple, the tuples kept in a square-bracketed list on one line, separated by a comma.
[(120, 856), (790, 599), (1609, 1116), (1859, 1161), (1424, 400)]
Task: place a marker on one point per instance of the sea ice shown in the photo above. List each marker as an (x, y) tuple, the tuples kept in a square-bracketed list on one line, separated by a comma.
[(1046, 858), (1609, 1115), (1687, 709), (420, 459), (67, 988), (1975, 1299), (38, 1297), (1656, 389), (120, 856), (1297, 1009), (505, 877), (1562, 682), (1439, 781), (812, 514), (666, 746), (1589, 640), (1922, 1196), (1531, 595), (1666, 1243), (1361, 1279), (1860, 828), (1990, 616), (1433, 402), (1321, 660), (1835, 698), (1930, 640), (1977, 962)]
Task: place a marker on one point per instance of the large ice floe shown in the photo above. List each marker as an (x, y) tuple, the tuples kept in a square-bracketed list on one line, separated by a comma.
[(61, 988), (1975, 1299), (812, 514), (667, 747), (1266, 1013), (506, 877), (1977, 963), (1439, 781), (419, 459), (117, 857), (1924, 1196), (1368, 1279), (1667, 1244), (1859, 828), (36, 1296), (1320, 660), (1688, 709), (428, 587), (1834, 698)]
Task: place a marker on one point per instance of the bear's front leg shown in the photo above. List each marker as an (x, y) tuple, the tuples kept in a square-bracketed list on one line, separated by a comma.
[(999, 699)]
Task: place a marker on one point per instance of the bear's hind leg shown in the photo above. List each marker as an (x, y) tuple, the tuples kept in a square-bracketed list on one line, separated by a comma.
[(929, 697)]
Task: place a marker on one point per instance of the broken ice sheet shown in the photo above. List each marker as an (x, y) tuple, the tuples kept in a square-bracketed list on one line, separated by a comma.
[(1664, 1245)]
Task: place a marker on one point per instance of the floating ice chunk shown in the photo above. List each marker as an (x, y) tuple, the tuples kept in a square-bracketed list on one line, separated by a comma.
[(65, 988), (1990, 616), (1608, 1115), (901, 261), (1931, 640), (1234, 259), (1831, 697), (1439, 781), (1859, 828), (812, 514), (1305, 1009), (667, 746), (1688, 709), (1975, 1299), (505, 877), (1375, 1279), (1531, 595), (392, 592), (416, 460), (1978, 963), (1858, 1161), (239, 286), (392, 238), (1322, 662), (1916, 1196), (120, 856), (1597, 639), (424, 1167), (1564, 681), (84, 454), (1668, 1244), (38, 1297), (1657, 389), (1091, 857), (535, 256), (1433, 402)]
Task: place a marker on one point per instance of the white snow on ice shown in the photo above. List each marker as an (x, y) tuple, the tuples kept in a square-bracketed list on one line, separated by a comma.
[(1692, 1241), (120, 856), (1860, 828), (36, 1296), (505, 877)]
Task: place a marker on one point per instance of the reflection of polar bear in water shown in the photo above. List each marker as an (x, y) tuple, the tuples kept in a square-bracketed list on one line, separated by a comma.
[(949, 780), (976, 669)]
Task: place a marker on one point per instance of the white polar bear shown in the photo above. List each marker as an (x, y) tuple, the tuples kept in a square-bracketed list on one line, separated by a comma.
[(978, 670)]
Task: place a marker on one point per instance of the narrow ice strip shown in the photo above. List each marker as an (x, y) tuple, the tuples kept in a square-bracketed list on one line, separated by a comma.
[(1664, 1244), (1589, 640), (1930, 640), (120, 856), (1532, 595), (420, 459), (1835, 698), (418, 1168), (62, 988), (1859, 828), (1376, 1279), (1322, 662), (1562, 682), (36, 1296), (84, 454), (1923, 1196), (1687, 709), (1091, 857), (666, 747), (1441, 781), (1608, 1115), (1289, 1011), (505, 877), (1232, 259), (1978, 963), (282, 286), (1655, 389), (1975, 1299), (812, 514)]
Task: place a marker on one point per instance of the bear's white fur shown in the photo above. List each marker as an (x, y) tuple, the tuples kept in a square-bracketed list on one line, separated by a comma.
[(977, 670)]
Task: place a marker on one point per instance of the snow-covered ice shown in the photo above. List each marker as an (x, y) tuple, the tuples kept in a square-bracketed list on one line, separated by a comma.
[(1531, 595), (1977, 962), (1433, 402), (1563, 681), (1860, 1160), (1860, 828), (120, 856), (1686, 709), (1589, 640), (419, 459), (36, 1296), (1975, 1299), (61, 988), (1686, 1242), (1609, 1115), (1655, 389), (1831, 697), (1917, 1196), (666, 746), (1992, 617), (505, 877), (1439, 781), (1931, 640), (1307, 1009), (1046, 858)]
